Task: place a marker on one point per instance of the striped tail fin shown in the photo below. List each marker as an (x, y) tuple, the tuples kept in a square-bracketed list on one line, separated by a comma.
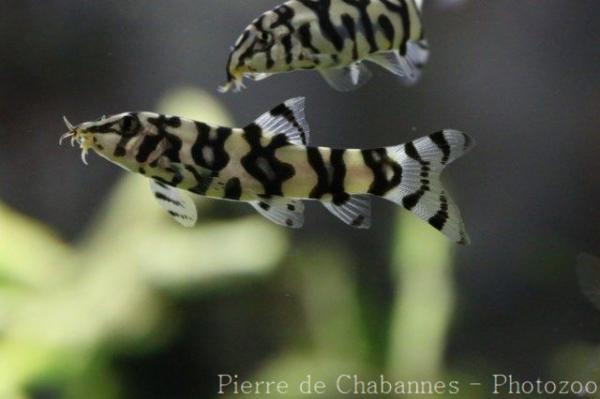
[(420, 190)]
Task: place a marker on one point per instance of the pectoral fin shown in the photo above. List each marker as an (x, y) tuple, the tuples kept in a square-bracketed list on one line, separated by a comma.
[(179, 205)]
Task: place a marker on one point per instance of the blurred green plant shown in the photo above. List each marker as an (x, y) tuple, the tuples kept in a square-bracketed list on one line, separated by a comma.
[(422, 268), (65, 309), (335, 341)]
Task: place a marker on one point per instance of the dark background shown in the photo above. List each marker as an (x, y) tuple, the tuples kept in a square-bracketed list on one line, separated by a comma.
[(521, 77)]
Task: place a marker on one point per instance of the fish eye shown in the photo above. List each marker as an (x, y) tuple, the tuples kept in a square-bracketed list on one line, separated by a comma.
[(263, 40), (129, 125), (264, 36)]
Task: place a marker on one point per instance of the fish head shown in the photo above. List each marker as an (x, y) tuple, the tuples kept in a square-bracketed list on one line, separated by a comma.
[(264, 48), (103, 135)]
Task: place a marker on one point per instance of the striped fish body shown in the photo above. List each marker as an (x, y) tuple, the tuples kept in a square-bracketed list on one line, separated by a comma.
[(270, 165), (333, 36), (215, 159), (348, 31)]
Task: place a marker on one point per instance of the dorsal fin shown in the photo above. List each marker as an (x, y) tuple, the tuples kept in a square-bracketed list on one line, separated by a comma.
[(287, 119)]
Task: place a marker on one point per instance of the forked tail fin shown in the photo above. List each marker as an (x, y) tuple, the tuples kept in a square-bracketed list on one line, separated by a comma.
[(420, 190)]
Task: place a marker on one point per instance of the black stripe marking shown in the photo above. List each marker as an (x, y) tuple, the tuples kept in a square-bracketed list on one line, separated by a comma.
[(365, 21), (388, 29), (150, 142), (129, 125), (330, 180), (411, 152), (106, 128), (287, 46), (216, 146), (179, 216), (245, 55), (322, 11), (163, 121), (306, 39), (147, 147), (440, 140), (233, 189), (174, 144), (161, 182), (315, 160), (285, 112), (402, 10), (120, 150), (203, 180), (132, 129), (406, 24), (441, 217), (411, 200), (163, 197), (285, 15), (177, 176), (378, 161), (241, 40), (349, 24), (338, 174), (111, 127), (280, 171)]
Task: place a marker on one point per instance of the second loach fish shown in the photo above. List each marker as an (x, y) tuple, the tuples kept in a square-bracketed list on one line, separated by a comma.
[(334, 37), (269, 165)]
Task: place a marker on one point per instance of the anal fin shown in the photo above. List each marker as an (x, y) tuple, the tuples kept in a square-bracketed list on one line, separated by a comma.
[(355, 212), (282, 211), (347, 78), (175, 202)]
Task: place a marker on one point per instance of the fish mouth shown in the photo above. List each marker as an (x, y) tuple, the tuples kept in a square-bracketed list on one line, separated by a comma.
[(236, 83), (77, 136)]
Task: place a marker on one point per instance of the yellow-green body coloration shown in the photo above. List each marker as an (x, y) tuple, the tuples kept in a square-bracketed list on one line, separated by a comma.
[(270, 165), (334, 37)]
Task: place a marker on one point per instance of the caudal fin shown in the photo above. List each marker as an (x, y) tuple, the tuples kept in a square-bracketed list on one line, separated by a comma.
[(420, 190)]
